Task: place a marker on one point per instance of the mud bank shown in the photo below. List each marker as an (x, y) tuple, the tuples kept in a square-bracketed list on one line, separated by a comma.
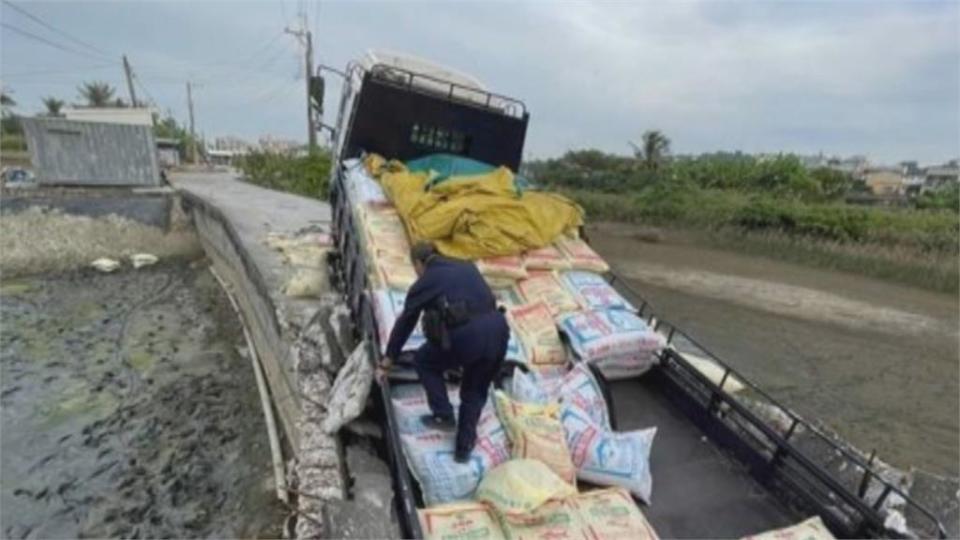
[(875, 361), (127, 409)]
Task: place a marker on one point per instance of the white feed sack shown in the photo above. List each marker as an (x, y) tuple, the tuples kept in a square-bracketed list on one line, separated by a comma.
[(306, 282), (104, 264), (350, 390), (139, 260)]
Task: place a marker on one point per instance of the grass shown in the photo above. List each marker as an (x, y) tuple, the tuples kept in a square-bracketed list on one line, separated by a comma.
[(303, 175), (915, 247), (932, 270)]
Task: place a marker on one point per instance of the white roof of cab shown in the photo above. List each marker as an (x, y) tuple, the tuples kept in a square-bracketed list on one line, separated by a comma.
[(419, 65)]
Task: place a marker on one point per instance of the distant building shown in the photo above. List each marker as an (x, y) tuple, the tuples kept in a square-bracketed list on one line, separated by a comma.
[(168, 152), (140, 116), (942, 175), (884, 181), (855, 166), (277, 145), (230, 143)]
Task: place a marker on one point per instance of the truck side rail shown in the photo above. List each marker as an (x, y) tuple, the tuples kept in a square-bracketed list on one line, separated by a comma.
[(351, 272), (767, 448)]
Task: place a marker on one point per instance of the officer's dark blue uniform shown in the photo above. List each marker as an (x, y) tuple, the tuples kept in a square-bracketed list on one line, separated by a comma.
[(478, 346)]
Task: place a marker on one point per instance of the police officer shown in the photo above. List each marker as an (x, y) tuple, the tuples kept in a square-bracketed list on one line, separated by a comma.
[(464, 329)]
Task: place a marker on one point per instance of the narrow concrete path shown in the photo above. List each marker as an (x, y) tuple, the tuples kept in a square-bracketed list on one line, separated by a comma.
[(255, 212)]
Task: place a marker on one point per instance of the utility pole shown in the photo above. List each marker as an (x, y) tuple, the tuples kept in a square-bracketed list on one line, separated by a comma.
[(193, 135), (129, 73), (305, 38)]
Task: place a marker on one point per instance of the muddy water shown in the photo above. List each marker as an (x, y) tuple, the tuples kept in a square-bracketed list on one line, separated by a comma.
[(876, 361), (127, 410)]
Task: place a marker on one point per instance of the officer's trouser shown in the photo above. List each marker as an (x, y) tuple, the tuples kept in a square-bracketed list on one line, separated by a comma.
[(478, 373)]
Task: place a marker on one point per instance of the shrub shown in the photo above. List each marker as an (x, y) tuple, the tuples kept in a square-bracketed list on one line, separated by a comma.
[(304, 175)]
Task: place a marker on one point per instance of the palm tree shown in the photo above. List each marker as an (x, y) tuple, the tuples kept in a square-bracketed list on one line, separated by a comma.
[(97, 93), (53, 105), (654, 148)]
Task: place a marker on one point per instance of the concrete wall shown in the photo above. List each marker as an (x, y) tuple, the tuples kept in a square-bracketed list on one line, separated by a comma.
[(149, 209), (66, 152)]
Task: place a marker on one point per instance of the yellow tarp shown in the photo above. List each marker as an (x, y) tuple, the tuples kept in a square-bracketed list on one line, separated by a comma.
[(472, 217)]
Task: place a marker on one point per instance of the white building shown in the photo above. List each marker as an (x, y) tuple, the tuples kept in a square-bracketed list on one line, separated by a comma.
[(140, 116)]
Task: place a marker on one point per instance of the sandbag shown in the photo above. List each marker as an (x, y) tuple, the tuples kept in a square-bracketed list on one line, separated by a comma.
[(387, 306), (546, 258), (507, 266), (507, 296), (429, 452), (580, 255), (394, 270), (611, 514), (384, 230), (535, 432), (524, 387), (517, 488), (349, 394), (626, 366), (455, 521), (593, 292), (306, 282), (554, 520), (595, 335), (538, 333), (576, 388), (545, 287), (606, 458), (811, 529), (362, 189)]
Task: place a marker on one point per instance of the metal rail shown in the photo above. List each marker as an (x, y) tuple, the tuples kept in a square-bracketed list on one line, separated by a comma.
[(351, 272), (405, 78), (723, 406)]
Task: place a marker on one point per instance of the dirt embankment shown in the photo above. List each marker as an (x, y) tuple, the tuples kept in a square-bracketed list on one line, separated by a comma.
[(876, 361)]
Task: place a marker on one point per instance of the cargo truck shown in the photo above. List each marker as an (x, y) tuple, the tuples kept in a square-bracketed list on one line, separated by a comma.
[(725, 464)]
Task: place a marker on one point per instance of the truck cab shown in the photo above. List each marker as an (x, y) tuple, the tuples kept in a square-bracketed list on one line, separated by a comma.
[(404, 107)]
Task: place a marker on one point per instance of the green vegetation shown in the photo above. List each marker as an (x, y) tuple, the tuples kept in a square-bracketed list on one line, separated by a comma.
[(99, 94), (53, 105), (304, 175), (772, 206), (168, 128)]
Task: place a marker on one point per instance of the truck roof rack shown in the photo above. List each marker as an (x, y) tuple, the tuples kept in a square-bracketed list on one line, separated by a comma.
[(405, 114)]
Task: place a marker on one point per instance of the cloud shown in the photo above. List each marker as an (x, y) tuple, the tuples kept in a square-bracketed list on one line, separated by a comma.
[(880, 79)]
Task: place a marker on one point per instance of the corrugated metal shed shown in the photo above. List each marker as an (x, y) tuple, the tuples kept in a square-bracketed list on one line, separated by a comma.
[(67, 152)]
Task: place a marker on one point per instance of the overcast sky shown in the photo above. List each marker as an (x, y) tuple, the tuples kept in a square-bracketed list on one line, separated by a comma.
[(879, 79)]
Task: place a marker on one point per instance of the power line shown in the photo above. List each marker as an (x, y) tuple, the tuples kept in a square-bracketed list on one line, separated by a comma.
[(74, 69), (48, 26), (48, 42)]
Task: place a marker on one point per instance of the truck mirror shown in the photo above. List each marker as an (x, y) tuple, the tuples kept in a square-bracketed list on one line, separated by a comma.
[(316, 92)]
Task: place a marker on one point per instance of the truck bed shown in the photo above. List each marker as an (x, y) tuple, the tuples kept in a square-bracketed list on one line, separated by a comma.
[(698, 491), (719, 470)]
